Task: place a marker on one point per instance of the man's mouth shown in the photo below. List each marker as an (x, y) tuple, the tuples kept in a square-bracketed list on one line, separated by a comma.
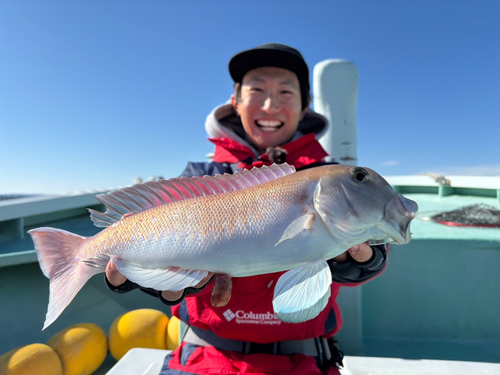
[(269, 125)]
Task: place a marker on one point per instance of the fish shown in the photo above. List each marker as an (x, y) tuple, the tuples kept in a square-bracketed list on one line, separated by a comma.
[(169, 234)]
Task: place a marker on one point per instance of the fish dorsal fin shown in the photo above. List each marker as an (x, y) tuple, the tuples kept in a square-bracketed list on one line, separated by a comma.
[(141, 197)]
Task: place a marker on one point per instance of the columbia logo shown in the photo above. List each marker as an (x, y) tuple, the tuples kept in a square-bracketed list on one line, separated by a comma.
[(229, 315)]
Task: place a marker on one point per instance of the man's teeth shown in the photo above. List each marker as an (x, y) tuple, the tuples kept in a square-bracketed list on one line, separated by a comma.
[(269, 125)]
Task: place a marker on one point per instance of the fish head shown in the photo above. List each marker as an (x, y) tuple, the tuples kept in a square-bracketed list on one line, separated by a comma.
[(358, 205)]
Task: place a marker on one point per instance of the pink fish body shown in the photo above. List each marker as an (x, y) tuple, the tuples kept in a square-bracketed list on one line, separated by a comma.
[(168, 235)]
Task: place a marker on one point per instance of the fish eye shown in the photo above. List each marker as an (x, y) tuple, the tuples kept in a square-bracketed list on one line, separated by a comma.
[(360, 174)]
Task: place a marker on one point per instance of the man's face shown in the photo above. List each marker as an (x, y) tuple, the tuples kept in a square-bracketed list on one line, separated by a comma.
[(269, 106)]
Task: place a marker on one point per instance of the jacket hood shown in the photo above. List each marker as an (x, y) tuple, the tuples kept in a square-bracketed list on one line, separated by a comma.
[(223, 122)]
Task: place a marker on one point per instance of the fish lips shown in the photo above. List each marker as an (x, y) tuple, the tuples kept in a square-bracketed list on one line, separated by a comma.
[(398, 214)]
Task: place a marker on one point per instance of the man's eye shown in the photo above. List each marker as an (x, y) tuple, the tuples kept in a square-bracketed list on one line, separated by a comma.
[(286, 92), (256, 89)]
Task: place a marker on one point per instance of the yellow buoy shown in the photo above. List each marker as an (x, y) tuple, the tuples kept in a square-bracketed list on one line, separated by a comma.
[(37, 359), (144, 328), (82, 348), (173, 330)]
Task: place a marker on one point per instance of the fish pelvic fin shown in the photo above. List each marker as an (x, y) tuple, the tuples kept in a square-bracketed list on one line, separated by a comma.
[(303, 292), (57, 251)]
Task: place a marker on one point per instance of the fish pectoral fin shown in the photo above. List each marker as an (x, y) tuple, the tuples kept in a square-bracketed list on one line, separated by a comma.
[(172, 278), (297, 226), (303, 292)]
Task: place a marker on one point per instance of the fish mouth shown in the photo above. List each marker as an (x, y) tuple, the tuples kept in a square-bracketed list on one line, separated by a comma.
[(399, 212)]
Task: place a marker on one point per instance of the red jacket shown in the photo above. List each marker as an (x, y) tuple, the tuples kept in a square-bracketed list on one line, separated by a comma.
[(249, 314), (299, 153)]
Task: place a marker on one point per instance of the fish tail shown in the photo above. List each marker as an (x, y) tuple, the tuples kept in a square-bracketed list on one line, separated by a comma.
[(57, 252)]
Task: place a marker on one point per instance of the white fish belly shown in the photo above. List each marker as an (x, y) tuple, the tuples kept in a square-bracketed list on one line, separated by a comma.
[(248, 250)]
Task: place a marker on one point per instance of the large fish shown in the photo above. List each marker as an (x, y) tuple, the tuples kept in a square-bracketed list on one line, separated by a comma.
[(169, 234)]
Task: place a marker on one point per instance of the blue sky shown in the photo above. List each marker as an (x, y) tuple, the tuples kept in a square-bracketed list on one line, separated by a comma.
[(95, 93)]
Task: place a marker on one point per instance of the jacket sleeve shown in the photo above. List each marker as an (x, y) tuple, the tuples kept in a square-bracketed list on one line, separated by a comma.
[(353, 272)]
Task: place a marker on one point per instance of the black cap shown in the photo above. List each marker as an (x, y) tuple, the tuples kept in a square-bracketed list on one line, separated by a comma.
[(275, 55)]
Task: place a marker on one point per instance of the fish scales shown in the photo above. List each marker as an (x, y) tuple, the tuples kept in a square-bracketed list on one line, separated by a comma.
[(204, 226)]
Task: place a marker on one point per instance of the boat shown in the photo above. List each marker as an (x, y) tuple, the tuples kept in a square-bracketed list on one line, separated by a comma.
[(437, 302)]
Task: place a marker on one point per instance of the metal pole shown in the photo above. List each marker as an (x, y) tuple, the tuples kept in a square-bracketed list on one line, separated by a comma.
[(335, 96)]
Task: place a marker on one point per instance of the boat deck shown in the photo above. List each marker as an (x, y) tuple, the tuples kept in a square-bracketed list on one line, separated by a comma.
[(149, 362)]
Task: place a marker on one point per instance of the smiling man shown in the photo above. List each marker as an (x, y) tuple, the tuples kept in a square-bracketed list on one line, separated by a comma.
[(269, 104), (268, 121)]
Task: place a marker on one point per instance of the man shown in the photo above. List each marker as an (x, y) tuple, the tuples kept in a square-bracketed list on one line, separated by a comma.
[(268, 121)]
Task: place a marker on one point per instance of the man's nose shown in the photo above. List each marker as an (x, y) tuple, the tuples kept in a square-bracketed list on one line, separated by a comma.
[(271, 105)]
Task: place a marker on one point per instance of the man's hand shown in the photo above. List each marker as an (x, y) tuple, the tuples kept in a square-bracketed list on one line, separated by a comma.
[(360, 253), (115, 278)]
